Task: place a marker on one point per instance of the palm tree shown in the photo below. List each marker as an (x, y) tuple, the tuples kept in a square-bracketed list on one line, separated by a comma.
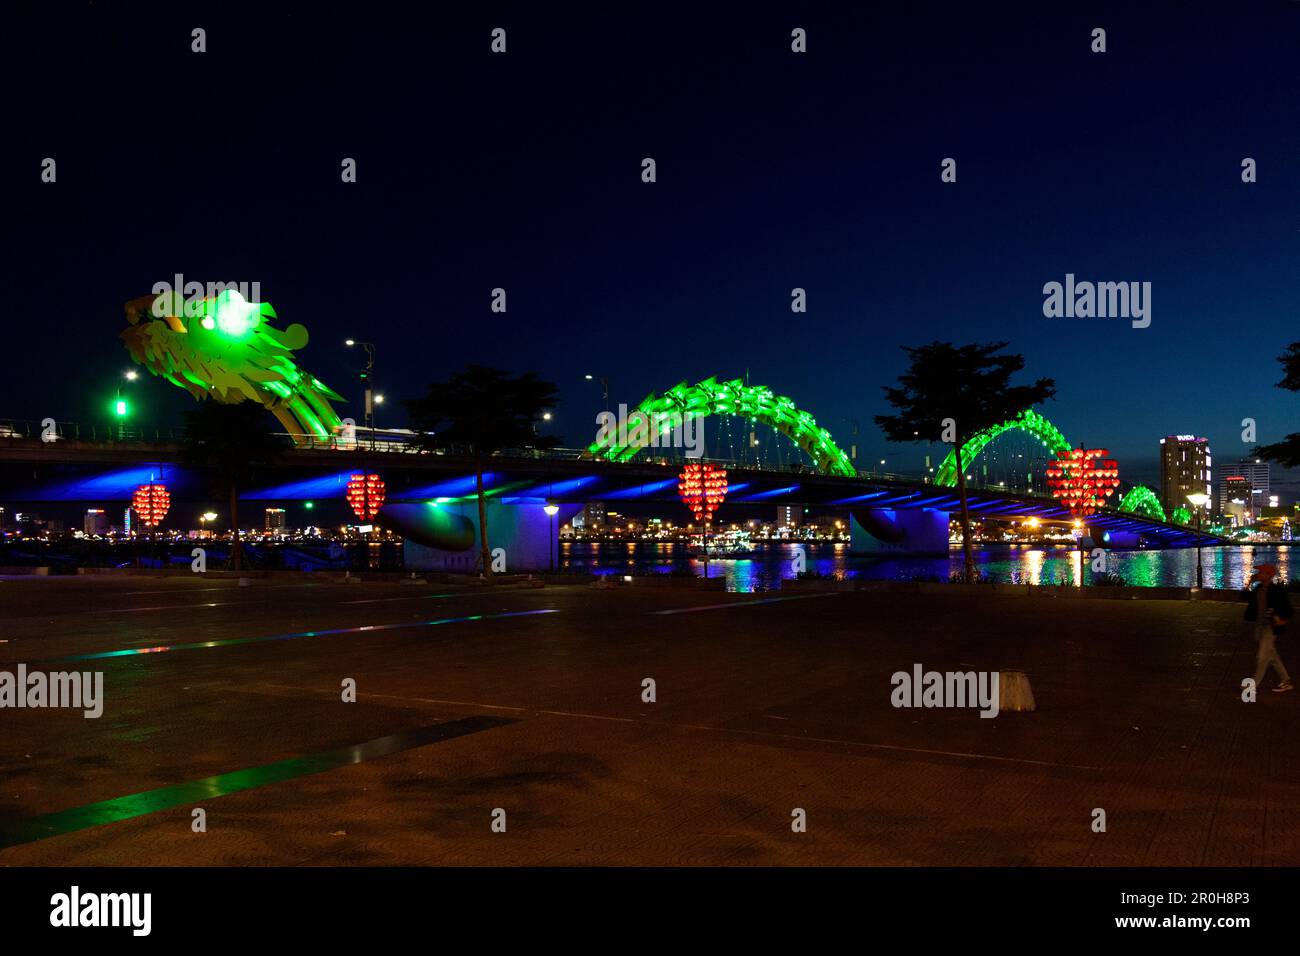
[(482, 411), (966, 386), (231, 442)]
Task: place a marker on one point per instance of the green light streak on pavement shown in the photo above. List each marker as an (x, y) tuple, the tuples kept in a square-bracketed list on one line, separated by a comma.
[(181, 794), (723, 607), (364, 628)]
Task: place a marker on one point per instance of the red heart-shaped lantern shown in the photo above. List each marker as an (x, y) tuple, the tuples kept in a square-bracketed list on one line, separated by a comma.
[(151, 502), (702, 488), (366, 495), (1082, 480)]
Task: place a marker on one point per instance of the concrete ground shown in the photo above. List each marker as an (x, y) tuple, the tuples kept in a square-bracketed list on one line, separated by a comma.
[(762, 708)]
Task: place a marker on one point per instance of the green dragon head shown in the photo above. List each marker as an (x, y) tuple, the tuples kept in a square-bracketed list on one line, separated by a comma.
[(223, 348)]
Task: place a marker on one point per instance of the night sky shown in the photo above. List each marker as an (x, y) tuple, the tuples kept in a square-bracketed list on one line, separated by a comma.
[(775, 170)]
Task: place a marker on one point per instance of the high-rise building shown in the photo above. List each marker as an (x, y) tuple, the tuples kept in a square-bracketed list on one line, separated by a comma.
[(1237, 500), (788, 516), (593, 515), (1255, 470), (96, 522), (274, 519), (1184, 470)]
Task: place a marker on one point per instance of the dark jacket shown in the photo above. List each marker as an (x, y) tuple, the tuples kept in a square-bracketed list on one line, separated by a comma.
[(1278, 603)]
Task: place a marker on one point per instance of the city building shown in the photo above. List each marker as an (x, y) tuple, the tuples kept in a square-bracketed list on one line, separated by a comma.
[(96, 523), (590, 518), (1255, 470), (274, 519), (788, 516), (1185, 469), (1237, 501)]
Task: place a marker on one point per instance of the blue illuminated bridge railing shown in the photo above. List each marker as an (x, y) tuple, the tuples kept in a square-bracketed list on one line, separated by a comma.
[(105, 472)]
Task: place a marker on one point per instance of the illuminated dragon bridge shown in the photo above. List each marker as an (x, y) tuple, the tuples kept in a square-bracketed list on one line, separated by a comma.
[(222, 348), (1141, 500), (1028, 421), (710, 397)]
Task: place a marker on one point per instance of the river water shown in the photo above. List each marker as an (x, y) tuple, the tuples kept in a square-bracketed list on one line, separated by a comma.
[(771, 563)]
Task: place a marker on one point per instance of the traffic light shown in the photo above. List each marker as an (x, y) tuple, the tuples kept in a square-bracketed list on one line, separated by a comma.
[(120, 408)]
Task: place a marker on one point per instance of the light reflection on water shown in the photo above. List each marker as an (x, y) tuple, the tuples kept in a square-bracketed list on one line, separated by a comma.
[(1223, 567)]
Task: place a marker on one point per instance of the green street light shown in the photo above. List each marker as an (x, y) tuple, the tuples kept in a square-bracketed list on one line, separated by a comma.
[(120, 407)]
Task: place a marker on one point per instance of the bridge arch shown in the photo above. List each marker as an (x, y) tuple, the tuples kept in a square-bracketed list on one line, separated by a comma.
[(684, 402), (1028, 421), (1141, 500)]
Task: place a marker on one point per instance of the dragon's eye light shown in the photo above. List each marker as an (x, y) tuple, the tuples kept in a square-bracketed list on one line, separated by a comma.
[(234, 314)]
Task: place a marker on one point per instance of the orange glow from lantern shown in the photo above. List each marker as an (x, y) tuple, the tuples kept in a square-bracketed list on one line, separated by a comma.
[(702, 488), (1082, 479), (151, 502), (365, 494)]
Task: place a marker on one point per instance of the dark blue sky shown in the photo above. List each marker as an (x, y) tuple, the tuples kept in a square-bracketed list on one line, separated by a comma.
[(774, 170)]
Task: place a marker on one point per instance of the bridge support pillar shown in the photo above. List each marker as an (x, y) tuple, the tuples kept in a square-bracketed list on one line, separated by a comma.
[(446, 537), (1115, 539), (886, 531)]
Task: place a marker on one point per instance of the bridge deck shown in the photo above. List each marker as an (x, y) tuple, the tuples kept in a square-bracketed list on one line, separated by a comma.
[(32, 471)]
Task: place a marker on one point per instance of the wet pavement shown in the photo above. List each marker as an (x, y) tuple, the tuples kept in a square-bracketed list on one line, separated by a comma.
[(529, 701)]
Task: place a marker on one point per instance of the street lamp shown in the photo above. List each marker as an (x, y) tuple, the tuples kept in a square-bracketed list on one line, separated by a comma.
[(853, 445), (120, 407), (1199, 500), (551, 511), (604, 384), (366, 378)]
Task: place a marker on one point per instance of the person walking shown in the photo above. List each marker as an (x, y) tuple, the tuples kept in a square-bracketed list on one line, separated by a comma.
[(1269, 609)]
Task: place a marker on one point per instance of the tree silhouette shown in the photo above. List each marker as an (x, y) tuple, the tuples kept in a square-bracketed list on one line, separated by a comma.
[(1286, 452), (230, 442), (481, 411), (966, 388)]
